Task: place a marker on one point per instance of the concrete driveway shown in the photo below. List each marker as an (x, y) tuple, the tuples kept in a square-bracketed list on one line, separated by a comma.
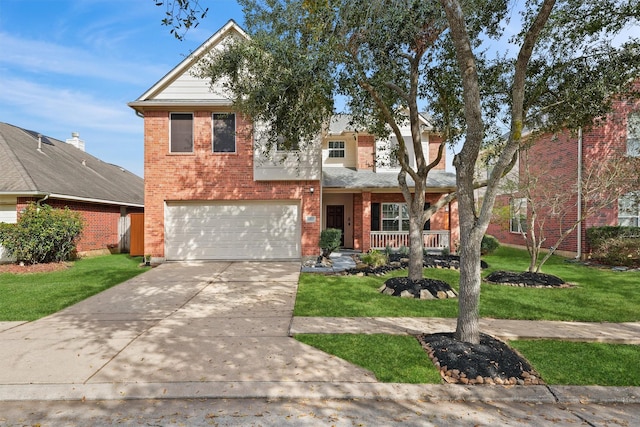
[(180, 329)]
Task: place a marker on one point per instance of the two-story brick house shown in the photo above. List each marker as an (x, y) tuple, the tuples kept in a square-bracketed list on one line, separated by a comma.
[(564, 161), (211, 193)]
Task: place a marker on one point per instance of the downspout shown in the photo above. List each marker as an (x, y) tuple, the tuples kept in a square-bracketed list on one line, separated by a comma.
[(46, 196), (579, 213)]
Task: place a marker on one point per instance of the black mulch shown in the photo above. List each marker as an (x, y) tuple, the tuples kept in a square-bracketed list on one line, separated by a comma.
[(397, 261), (492, 360), (525, 279), (400, 284)]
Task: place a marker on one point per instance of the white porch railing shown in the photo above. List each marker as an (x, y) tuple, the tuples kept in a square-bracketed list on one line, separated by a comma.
[(431, 239)]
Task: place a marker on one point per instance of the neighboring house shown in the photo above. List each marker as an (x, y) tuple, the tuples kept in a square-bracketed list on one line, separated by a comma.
[(41, 169), (557, 160), (211, 193)]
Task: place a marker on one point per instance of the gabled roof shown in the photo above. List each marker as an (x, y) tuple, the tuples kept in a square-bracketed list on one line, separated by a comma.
[(438, 180), (55, 168), (161, 94)]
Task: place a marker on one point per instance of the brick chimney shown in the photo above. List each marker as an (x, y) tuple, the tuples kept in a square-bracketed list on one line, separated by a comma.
[(76, 141)]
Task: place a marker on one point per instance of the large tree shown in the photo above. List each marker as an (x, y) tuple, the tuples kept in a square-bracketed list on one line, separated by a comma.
[(565, 73), (385, 57)]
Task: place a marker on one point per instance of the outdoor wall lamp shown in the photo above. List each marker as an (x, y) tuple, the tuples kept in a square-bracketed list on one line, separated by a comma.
[(311, 190)]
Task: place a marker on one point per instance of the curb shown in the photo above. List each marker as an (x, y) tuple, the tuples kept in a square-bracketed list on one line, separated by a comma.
[(320, 390)]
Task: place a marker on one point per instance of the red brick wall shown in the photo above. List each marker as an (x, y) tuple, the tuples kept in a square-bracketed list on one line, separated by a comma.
[(100, 221), (366, 152), (204, 175), (554, 159), (434, 146)]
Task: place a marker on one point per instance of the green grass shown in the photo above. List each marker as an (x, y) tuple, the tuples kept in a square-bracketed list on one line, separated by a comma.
[(33, 296), (579, 363), (392, 358), (600, 295)]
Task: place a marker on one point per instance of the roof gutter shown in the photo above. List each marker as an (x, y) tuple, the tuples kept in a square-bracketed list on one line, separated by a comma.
[(45, 196)]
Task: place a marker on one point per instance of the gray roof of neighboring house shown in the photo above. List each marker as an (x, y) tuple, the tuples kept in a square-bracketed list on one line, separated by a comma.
[(61, 170), (349, 178)]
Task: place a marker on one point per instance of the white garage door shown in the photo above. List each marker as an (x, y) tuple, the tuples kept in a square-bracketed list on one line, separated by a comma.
[(240, 230)]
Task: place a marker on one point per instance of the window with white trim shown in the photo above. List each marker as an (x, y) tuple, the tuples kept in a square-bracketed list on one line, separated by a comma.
[(518, 215), (336, 149), (633, 134), (181, 132), (224, 132), (629, 209), (395, 217)]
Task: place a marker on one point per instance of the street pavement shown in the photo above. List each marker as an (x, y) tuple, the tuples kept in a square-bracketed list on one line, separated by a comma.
[(210, 344)]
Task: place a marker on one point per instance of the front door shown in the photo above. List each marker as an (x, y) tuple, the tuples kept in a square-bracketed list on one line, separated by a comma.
[(335, 219)]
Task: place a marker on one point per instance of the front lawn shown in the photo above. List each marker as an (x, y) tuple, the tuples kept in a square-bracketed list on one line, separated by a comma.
[(401, 359), (600, 295), (32, 296)]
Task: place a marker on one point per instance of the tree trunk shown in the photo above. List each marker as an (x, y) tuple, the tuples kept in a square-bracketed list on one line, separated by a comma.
[(468, 325), (416, 224)]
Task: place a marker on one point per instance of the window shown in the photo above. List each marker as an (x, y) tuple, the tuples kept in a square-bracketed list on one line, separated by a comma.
[(393, 153), (286, 145), (395, 217), (633, 134), (629, 209), (181, 133), (518, 215), (224, 133), (336, 149)]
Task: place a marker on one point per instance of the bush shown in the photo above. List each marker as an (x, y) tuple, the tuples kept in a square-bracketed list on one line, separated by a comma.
[(597, 235), (42, 234), (489, 244), (614, 245), (329, 241), (374, 258)]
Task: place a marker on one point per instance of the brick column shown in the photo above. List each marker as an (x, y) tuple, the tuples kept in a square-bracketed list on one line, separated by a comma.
[(362, 221)]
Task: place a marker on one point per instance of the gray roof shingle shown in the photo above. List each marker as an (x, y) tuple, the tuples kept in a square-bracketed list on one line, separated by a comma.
[(336, 177), (61, 169)]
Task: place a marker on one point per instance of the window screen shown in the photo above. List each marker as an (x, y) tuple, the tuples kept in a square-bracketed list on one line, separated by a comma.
[(224, 133), (181, 133)]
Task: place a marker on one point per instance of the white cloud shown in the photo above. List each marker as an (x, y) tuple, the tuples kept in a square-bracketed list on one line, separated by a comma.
[(45, 57)]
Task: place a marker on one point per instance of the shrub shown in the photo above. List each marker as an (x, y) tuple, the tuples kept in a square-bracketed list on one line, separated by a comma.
[(489, 244), (404, 251), (42, 234), (613, 245), (329, 241), (374, 258)]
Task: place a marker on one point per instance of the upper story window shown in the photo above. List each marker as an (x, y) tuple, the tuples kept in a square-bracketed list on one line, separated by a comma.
[(181, 132), (224, 133), (287, 145), (395, 217), (629, 209), (336, 149), (518, 215), (633, 134)]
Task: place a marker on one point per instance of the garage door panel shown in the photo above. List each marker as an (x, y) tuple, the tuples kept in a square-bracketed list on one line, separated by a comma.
[(247, 230)]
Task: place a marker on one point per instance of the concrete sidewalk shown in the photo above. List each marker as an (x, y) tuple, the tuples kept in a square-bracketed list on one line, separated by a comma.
[(223, 330), (612, 333)]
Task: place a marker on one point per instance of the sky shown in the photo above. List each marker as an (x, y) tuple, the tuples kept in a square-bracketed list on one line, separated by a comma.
[(73, 65)]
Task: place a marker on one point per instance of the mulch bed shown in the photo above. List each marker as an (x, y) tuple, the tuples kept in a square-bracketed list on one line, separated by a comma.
[(405, 287), (526, 279), (33, 268), (489, 362), (397, 262)]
